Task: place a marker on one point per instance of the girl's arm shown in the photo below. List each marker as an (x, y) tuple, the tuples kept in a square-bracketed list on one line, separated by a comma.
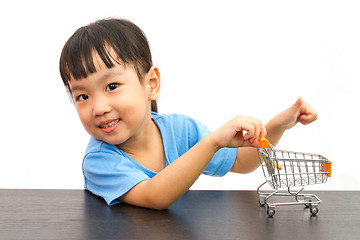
[(247, 159), (173, 181)]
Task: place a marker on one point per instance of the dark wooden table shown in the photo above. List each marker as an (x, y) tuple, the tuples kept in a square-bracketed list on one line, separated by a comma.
[(77, 214)]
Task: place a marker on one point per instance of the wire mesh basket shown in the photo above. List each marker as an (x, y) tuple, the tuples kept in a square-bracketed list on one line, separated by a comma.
[(287, 169)]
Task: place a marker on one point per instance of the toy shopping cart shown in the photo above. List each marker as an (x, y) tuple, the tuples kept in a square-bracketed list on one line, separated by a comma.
[(286, 169)]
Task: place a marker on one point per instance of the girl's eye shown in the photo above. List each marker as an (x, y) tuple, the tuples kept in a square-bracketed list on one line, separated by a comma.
[(82, 97), (112, 86)]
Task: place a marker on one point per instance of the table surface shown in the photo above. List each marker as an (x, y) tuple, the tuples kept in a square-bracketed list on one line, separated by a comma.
[(77, 214)]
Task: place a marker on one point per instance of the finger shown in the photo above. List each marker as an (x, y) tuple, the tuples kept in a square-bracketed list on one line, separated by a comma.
[(256, 141), (258, 128), (297, 105), (250, 130), (262, 132), (255, 144), (299, 102), (307, 114), (307, 118)]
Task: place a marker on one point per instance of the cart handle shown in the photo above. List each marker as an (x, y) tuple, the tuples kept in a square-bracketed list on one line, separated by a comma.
[(264, 143), (326, 167)]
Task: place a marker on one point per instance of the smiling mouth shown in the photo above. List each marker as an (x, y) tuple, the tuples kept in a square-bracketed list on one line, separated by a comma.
[(109, 124)]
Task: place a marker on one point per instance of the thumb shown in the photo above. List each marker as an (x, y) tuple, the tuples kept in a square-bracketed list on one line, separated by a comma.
[(297, 105)]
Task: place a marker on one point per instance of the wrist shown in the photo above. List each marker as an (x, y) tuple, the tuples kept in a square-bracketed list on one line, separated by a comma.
[(274, 125), (274, 132), (211, 142), (282, 121)]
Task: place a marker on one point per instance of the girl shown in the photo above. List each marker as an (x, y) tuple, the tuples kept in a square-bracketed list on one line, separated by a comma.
[(136, 155)]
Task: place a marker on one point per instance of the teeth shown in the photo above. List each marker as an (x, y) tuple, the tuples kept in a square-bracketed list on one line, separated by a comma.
[(110, 124)]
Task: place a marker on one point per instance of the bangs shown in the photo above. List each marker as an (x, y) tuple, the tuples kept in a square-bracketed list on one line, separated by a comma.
[(115, 41), (77, 59)]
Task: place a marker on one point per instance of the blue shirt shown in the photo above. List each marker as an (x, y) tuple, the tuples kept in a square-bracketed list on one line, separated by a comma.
[(109, 172)]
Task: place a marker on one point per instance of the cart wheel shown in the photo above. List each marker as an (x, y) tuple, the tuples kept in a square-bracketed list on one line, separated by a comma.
[(270, 210), (262, 202), (314, 210)]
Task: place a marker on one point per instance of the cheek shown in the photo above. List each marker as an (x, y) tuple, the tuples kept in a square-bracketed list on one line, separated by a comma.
[(130, 102), (84, 117)]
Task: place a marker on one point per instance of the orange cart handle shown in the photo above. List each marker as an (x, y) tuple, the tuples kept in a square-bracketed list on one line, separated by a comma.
[(264, 143)]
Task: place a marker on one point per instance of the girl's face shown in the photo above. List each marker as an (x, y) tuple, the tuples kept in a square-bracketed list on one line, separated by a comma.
[(113, 105)]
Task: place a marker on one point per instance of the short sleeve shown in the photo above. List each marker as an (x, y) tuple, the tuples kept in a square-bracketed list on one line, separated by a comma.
[(110, 175), (222, 161)]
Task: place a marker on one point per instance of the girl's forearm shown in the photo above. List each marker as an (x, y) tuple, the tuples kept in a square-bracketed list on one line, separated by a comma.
[(274, 132), (173, 181), (247, 159)]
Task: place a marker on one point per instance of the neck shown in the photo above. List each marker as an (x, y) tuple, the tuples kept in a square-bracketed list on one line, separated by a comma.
[(143, 141)]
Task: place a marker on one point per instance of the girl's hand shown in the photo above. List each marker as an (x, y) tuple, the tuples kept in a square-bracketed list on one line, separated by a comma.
[(241, 131), (300, 111)]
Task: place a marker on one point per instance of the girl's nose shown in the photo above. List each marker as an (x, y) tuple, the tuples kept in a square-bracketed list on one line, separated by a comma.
[(101, 107)]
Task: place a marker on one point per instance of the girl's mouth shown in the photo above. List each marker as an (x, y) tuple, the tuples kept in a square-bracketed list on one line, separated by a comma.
[(109, 126)]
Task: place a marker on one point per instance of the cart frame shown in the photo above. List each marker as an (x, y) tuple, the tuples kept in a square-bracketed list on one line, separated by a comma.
[(286, 170)]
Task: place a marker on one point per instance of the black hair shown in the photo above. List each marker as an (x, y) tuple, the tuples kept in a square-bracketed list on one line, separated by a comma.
[(126, 39)]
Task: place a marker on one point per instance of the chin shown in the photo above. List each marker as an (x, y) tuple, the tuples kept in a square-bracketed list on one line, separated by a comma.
[(112, 141)]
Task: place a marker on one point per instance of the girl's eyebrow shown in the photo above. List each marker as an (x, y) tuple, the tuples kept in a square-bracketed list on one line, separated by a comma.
[(77, 87), (108, 74)]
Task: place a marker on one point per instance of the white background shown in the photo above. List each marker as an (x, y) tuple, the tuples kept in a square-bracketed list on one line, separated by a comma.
[(216, 58)]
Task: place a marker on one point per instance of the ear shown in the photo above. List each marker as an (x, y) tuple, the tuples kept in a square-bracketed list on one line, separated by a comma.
[(153, 83)]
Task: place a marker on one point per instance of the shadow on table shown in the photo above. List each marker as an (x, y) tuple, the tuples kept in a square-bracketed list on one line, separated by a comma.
[(123, 221)]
